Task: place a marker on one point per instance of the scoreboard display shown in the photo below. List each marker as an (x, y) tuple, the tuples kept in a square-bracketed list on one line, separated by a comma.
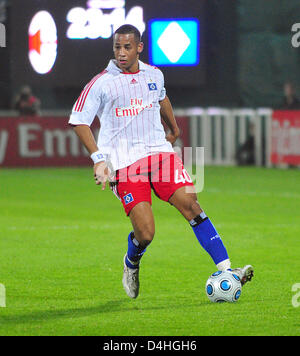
[(56, 43)]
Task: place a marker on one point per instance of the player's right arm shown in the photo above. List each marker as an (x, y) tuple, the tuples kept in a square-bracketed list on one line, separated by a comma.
[(83, 113), (87, 138)]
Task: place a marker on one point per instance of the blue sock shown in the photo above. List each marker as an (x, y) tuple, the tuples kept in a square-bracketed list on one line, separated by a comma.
[(134, 252), (209, 238)]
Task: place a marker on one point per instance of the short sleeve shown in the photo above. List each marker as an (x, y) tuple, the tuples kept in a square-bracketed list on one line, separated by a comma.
[(87, 105), (162, 93)]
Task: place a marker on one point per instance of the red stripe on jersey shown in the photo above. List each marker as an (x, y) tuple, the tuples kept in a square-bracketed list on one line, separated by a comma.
[(81, 100), (80, 97), (85, 93)]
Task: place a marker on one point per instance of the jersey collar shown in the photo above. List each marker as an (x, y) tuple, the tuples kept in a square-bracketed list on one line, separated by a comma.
[(112, 66)]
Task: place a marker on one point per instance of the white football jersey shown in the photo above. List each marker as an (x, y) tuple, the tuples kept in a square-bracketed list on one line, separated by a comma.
[(127, 105)]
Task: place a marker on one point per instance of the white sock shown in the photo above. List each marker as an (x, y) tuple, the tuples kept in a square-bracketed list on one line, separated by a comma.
[(224, 265)]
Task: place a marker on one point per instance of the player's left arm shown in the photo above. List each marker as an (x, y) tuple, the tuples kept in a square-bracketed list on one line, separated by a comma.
[(167, 114)]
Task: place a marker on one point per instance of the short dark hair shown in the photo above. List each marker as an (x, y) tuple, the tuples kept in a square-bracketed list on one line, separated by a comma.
[(128, 29)]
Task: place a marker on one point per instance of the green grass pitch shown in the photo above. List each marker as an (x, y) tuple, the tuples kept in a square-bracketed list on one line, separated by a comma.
[(62, 242)]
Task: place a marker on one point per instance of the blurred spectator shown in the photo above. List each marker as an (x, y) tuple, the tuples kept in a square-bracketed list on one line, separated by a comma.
[(290, 101), (26, 103), (245, 153)]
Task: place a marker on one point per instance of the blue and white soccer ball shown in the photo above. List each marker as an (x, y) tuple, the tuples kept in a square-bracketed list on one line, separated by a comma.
[(223, 286)]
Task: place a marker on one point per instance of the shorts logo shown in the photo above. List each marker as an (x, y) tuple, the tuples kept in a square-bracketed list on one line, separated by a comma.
[(128, 198), (152, 86)]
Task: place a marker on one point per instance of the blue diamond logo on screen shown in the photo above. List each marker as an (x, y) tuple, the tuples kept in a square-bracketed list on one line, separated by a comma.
[(174, 42)]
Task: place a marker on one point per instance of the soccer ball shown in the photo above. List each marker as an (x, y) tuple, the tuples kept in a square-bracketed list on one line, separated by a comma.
[(223, 286)]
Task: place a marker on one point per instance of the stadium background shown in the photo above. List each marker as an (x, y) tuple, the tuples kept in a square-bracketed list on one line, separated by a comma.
[(231, 93)]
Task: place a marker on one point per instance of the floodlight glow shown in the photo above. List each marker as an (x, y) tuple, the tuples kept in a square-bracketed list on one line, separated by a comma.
[(42, 42)]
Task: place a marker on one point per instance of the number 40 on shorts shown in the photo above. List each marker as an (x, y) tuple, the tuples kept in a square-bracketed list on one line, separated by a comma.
[(182, 177)]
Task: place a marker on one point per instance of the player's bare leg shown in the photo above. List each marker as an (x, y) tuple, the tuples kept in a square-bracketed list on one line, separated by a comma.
[(205, 232), (142, 220), (186, 203)]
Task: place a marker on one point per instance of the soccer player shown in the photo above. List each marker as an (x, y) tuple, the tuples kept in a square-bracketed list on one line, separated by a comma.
[(130, 99)]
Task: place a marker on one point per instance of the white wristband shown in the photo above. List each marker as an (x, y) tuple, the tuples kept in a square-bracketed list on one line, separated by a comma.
[(97, 157)]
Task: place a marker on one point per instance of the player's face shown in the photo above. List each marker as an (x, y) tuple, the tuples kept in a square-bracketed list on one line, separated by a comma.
[(126, 51)]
